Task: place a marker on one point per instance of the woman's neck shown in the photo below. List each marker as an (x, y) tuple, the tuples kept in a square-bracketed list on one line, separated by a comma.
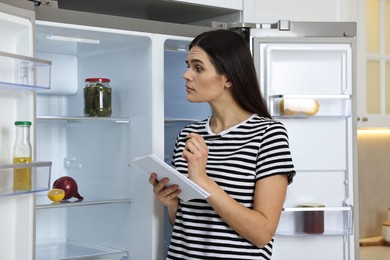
[(223, 120)]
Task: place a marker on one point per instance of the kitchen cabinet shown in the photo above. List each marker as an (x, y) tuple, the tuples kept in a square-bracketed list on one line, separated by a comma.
[(374, 83)]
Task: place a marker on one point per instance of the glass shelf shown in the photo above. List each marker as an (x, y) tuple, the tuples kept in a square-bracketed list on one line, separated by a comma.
[(301, 106), (44, 203), (21, 72), (40, 176), (77, 250), (337, 221), (119, 120)]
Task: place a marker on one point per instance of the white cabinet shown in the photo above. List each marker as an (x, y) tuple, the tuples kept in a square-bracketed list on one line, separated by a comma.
[(263, 11), (373, 82)]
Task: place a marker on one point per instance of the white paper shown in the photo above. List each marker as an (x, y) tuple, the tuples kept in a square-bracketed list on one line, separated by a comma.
[(189, 189)]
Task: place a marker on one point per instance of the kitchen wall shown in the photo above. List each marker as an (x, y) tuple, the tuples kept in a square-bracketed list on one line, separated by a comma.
[(374, 180)]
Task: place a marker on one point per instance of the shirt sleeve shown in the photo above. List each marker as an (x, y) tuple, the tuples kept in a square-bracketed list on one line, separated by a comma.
[(274, 155)]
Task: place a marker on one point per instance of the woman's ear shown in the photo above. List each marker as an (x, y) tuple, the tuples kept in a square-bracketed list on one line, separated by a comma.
[(228, 83)]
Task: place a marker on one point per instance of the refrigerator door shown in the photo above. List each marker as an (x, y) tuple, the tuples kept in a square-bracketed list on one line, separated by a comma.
[(17, 214), (308, 85)]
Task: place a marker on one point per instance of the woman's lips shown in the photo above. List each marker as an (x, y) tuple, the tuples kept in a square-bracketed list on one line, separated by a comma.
[(189, 89)]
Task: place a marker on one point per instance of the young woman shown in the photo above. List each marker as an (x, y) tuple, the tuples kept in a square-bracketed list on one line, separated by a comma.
[(246, 168)]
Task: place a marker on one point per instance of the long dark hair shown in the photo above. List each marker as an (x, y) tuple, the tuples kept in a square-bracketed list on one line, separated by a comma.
[(230, 54)]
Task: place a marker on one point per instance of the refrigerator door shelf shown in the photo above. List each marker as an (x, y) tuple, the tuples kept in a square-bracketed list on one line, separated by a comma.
[(77, 250), (21, 72), (40, 172), (293, 106), (337, 221)]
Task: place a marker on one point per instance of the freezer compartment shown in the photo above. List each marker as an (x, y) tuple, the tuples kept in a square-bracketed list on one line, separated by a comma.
[(40, 177), (77, 250), (298, 221), (20, 72), (310, 105)]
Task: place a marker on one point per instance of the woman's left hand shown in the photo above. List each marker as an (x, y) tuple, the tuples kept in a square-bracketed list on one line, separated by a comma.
[(196, 153)]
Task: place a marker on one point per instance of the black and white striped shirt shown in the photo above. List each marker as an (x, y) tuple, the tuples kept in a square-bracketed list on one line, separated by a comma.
[(252, 150)]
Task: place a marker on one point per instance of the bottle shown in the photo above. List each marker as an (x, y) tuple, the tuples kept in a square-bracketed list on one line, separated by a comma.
[(22, 153), (97, 97)]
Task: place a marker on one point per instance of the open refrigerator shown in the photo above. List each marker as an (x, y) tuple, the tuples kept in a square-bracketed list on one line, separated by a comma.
[(307, 74), (119, 217)]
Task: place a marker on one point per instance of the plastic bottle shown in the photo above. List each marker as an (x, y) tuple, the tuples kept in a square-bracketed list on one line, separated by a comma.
[(22, 153)]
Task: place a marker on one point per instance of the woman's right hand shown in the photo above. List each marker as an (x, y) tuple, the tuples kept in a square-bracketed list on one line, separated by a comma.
[(167, 195)]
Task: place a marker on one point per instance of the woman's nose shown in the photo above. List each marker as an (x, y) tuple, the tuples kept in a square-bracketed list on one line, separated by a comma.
[(186, 75)]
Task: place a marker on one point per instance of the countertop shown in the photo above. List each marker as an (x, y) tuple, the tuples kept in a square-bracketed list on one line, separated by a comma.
[(375, 253)]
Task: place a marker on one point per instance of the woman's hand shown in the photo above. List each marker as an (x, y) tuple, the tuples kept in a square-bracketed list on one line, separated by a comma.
[(167, 195), (196, 153)]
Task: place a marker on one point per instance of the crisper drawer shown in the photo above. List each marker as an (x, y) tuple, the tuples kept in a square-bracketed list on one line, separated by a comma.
[(318, 144)]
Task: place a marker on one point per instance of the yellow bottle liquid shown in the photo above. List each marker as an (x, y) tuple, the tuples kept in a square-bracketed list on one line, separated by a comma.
[(22, 153), (22, 176)]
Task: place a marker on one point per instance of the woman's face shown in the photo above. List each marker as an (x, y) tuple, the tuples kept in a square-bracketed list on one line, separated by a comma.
[(202, 81)]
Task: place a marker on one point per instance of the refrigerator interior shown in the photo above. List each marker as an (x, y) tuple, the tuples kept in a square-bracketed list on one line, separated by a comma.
[(178, 112), (299, 70), (96, 152), (17, 103)]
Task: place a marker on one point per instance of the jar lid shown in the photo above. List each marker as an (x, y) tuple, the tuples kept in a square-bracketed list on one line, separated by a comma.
[(311, 205), (386, 223), (105, 80), (28, 123)]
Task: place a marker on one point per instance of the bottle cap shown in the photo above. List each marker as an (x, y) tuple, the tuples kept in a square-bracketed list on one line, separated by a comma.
[(104, 80), (28, 123)]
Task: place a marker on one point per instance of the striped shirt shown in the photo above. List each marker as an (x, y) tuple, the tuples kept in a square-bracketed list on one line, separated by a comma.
[(254, 149)]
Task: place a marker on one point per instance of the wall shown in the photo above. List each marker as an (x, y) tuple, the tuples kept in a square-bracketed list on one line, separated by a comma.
[(374, 180)]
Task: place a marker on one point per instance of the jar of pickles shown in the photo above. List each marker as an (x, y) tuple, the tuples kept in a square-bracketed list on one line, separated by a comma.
[(97, 97)]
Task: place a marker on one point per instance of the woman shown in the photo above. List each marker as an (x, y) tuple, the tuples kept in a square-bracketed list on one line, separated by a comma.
[(246, 168)]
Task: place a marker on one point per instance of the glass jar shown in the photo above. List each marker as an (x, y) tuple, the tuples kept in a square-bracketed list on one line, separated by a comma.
[(97, 97), (22, 153), (313, 220)]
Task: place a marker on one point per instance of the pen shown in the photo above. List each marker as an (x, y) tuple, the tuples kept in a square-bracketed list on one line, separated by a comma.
[(205, 137), (211, 137)]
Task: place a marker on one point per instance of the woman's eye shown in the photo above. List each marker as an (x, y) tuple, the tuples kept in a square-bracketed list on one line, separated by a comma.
[(198, 68)]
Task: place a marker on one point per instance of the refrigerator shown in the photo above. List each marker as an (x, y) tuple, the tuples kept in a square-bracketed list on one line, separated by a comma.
[(307, 74), (45, 60), (49, 53)]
